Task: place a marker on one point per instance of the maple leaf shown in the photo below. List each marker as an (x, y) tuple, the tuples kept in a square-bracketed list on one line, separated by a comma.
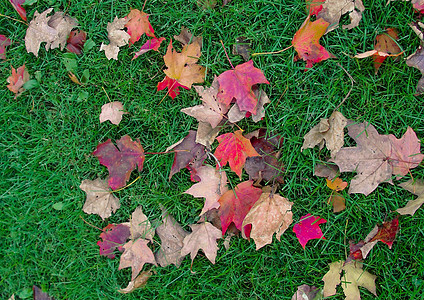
[(376, 157), (99, 199), (206, 134), (234, 148), (336, 184), (136, 254), (186, 37), (38, 294), (313, 7), (242, 47), (152, 44), (189, 154), (235, 204), (113, 236), (203, 236), (113, 112), (332, 11), (117, 38), (120, 161), (17, 5), (4, 41), (138, 282), (385, 46), (327, 170), (416, 187), (330, 131), (171, 235), (270, 214), (182, 66), (238, 84), (354, 277), (140, 226), (385, 233), (306, 292), (76, 41), (416, 59), (212, 185), (138, 24), (211, 110), (235, 114), (306, 42), (172, 86), (17, 80), (308, 229)]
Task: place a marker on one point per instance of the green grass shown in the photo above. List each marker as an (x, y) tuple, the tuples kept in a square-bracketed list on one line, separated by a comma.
[(48, 134)]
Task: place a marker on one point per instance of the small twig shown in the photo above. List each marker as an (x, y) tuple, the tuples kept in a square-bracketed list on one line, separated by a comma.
[(274, 52), (131, 183), (351, 88), (90, 224), (1, 15), (226, 54), (106, 94), (344, 242)]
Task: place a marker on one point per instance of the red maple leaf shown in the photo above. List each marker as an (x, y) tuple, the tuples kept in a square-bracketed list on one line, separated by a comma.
[(234, 205), (172, 86), (306, 42), (113, 236), (76, 41), (4, 41), (152, 44), (234, 148), (238, 84), (138, 24), (308, 229), (120, 161), (17, 5)]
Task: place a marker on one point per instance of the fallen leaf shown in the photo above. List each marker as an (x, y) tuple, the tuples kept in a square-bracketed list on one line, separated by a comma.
[(235, 114), (76, 41), (212, 185), (238, 84), (74, 78), (306, 292), (308, 229), (332, 11), (270, 214), (354, 277), (17, 5), (327, 170), (136, 254), (206, 134), (188, 154), (140, 226), (171, 235), (313, 7), (63, 25), (120, 161), (182, 66), (416, 187), (235, 204), (152, 44), (112, 111), (137, 25), (338, 202), (172, 86), (99, 200), (113, 237), (242, 47), (306, 42), (376, 157), (418, 5), (234, 148), (203, 236), (336, 184), (38, 294), (117, 38), (4, 41), (17, 80), (138, 282), (330, 131), (416, 59), (185, 37)]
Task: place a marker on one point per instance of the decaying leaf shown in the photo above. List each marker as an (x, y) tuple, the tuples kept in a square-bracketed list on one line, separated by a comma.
[(140, 226), (120, 161), (206, 134), (306, 292), (138, 282), (270, 214), (416, 187), (212, 185), (203, 237), (306, 42), (376, 157), (327, 170), (337, 201), (136, 254), (185, 37), (137, 25), (152, 44), (242, 47), (235, 114), (332, 11), (337, 184), (330, 131), (113, 237), (353, 278), (4, 41), (117, 38), (416, 59), (99, 199), (38, 294), (112, 111), (76, 41), (17, 80), (308, 229), (172, 236)]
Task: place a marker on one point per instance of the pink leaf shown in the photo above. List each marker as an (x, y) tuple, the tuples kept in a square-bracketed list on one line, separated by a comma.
[(113, 236), (308, 229), (4, 41), (152, 44), (17, 5)]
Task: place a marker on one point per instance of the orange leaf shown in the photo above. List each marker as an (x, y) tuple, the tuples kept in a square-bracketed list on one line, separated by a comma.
[(17, 80), (138, 24), (336, 184)]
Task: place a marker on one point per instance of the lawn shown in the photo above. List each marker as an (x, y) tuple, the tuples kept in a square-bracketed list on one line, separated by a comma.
[(49, 132)]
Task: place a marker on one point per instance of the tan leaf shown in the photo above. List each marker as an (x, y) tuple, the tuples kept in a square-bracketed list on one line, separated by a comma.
[(328, 130), (332, 11), (185, 37), (171, 235), (74, 78), (113, 112), (206, 134), (140, 226), (271, 213), (203, 237), (338, 202), (417, 188), (63, 25), (136, 254), (326, 170), (235, 114), (212, 186), (117, 38), (332, 278), (99, 199), (306, 292), (137, 283)]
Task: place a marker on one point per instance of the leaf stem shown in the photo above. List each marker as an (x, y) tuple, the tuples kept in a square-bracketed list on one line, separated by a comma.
[(226, 54), (90, 224), (131, 183), (1, 15), (274, 52)]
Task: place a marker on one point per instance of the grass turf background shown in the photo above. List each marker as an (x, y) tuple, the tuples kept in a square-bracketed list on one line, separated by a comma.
[(48, 134)]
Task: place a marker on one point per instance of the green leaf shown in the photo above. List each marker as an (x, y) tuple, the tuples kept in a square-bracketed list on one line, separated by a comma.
[(58, 206), (89, 44), (29, 2), (25, 293), (82, 96), (31, 84), (85, 76)]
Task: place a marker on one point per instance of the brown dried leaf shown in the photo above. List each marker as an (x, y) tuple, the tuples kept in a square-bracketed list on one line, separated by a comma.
[(113, 112), (235, 114), (185, 37), (137, 283), (140, 226), (417, 188), (332, 11), (326, 170), (242, 47), (117, 38), (63, 25), (338, 202), (206, 134), (99, 199), (136, 254), (306, 292)]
